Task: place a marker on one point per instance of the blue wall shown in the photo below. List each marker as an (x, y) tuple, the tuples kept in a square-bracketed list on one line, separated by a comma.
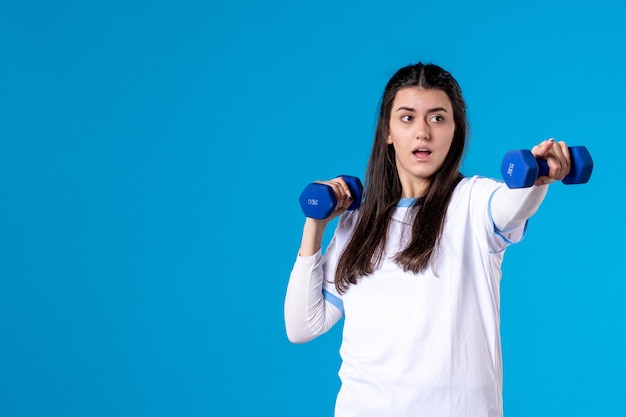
[(152, 153)]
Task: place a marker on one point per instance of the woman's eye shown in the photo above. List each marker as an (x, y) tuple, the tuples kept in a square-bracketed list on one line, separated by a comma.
[(437, 119), (406, 118)]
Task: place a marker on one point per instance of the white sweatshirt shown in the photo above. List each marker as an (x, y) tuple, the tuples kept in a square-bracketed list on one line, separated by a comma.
[(425, 344)]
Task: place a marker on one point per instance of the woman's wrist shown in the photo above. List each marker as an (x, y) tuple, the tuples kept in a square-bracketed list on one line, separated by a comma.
[(312, 237)]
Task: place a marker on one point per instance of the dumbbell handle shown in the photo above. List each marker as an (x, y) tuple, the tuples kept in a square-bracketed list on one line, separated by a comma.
[(543, 170)]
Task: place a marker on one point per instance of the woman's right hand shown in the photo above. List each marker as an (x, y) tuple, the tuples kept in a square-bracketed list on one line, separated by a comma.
[(314, 228), (342, 194)]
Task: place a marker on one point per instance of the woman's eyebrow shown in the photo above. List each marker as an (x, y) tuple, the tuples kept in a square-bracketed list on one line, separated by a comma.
[(433, 110)]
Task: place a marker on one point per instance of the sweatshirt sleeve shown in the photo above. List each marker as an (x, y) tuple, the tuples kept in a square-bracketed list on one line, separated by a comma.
[(511, 208), (308, 313)]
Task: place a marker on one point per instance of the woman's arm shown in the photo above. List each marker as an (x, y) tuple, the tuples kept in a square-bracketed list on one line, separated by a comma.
[(511, 208), (307, 313)]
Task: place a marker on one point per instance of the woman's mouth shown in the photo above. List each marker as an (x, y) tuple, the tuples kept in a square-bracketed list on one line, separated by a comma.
[(422, 153)]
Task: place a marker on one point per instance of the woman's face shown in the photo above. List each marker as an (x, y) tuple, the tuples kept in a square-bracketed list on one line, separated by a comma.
[(421, 128)]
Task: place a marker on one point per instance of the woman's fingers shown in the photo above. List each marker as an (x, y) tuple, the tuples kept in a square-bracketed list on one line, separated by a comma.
[(342, 193), (557, 156)]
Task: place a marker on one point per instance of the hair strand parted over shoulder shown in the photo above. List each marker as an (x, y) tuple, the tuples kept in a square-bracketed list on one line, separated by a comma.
[(383, 189)]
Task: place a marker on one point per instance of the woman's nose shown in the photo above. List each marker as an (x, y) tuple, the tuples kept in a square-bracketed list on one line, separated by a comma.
[(422, 130)]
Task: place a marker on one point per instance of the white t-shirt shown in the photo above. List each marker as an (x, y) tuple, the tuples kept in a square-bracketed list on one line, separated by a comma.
[(426, 344)]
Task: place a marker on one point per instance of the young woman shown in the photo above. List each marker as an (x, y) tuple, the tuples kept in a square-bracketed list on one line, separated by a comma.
[(415, 270)]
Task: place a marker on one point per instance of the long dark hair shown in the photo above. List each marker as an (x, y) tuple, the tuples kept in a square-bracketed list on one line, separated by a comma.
[(383, 189)]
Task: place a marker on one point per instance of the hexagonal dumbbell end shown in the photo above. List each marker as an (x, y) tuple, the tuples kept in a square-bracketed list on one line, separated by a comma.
[(519, 169), (582, 166)]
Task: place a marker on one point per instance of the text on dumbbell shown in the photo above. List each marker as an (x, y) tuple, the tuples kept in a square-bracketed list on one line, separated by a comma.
[(312, 202), (510, 170)]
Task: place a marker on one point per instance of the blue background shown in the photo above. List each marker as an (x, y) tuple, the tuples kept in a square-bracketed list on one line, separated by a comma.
[(151, 158)]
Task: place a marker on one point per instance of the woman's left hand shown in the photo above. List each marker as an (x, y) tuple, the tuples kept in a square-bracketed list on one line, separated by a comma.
[(557, 156)]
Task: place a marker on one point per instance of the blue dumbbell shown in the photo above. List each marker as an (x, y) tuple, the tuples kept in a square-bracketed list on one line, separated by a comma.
[(318, 201), (520, 169)]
